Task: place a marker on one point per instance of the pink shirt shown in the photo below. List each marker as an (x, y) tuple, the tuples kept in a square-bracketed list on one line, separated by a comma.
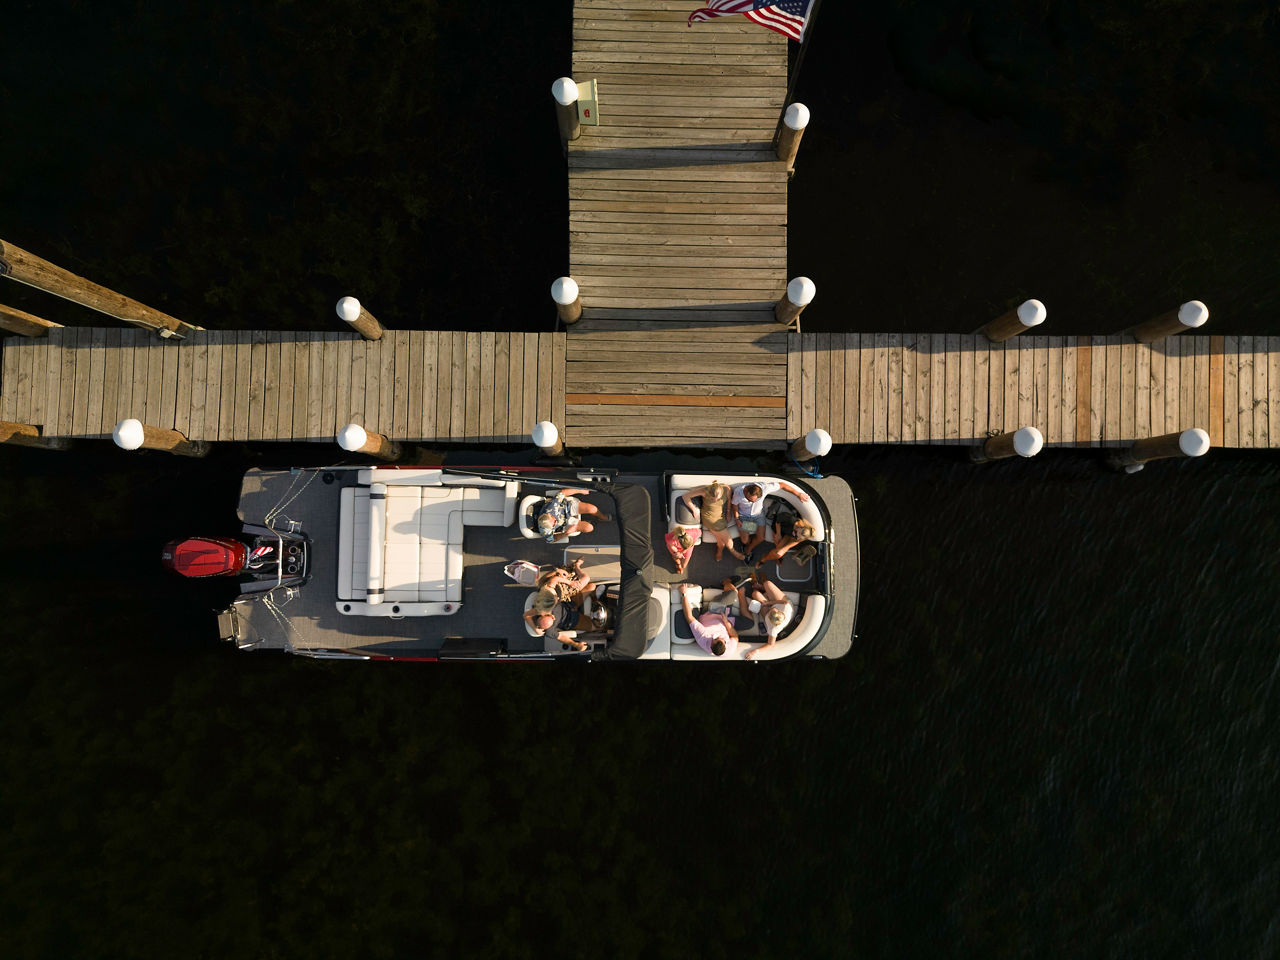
[(710, 627), (674, 547)]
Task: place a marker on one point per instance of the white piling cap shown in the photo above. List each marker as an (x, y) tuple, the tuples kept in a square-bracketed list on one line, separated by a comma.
[(1027, 442), (564, 291), (1032, 313), (349, 309), (565, 91), (796, 116), (128, 434), (1193, 313), (818, 442), (1194, 442), (801, 291), (545, 434), (352, 437)]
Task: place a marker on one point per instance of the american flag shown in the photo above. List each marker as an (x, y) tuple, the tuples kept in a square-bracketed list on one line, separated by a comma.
[(785, 16)]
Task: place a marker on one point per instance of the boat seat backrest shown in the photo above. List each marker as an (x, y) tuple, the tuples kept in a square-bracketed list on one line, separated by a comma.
[(810, 611)]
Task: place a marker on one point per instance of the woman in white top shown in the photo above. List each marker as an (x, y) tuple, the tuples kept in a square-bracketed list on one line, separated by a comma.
[(776, 611)]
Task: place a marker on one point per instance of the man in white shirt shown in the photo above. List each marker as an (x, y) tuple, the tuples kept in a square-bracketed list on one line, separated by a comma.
[(746, 509)]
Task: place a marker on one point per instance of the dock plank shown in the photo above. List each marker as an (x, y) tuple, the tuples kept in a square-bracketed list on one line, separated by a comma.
[(530, 402), (271, 386), (808, 382), (850, 380), (1012, 363), (1113, 397), (1142, 391), (80, 382), (1187, 383), (484, 426), (1245, 386), (1053, 391), (558, 387), (1128, 387), (1155, 391), (995, 383), (908, 388), (357, 385), (881, 387), (822, 383), (937, 388), (968, 365), (1230, 391), (924, 368), (416, 368), (1215, 425), (249, 422), (193, 372), (97, 381), (978, 346), (795, 389), (515, 388), (430, 377), (388, 386), (1261, 411), (1172, 382), (335, 382), (1273, 391), (546, 362), (893, 387)]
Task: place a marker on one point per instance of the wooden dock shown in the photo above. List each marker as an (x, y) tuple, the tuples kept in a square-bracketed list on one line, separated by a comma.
[(678, 241)]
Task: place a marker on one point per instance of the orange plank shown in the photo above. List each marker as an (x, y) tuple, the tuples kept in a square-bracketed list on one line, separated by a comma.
[(675, 399)]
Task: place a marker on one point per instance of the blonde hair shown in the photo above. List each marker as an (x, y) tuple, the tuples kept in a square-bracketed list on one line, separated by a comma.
[(776, 617), (716, 489), (804, 530), (685, 539)]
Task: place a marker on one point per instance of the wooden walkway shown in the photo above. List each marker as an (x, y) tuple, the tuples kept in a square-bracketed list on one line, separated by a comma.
[(272, 385), (677, 230), (677, 220), (1078, 391)]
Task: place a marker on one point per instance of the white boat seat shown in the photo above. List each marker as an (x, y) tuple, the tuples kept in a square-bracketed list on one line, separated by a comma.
[(400, 547), (807, 619)]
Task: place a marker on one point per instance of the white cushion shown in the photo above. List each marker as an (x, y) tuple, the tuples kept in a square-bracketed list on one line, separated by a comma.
[(400, 572), (453, 572)]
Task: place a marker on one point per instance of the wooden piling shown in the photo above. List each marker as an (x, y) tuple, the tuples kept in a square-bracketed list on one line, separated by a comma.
[(547, 439), (1188, 443), (133, 434), (1189, 316), (794, 120), (361, 320), (1030, 313), (800, 293), (565, 92), (1023, 442), (27, 435), (18, 264), (23, 323), (564, 291), (355, 439), (815, 443)]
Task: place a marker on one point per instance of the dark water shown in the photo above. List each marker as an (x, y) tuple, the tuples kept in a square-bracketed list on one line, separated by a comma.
[(1055, 735)]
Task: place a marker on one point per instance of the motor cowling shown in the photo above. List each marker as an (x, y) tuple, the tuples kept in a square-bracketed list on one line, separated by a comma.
[(205, 556)]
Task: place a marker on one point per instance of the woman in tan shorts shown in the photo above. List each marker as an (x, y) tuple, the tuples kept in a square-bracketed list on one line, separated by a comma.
[(715, 514)]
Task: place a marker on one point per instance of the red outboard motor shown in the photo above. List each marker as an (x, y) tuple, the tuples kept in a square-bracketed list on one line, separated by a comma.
[(205, 556)]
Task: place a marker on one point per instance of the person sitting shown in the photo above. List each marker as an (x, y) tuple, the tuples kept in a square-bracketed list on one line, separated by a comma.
[(788, 531), (567, 584), (715, 514), (746, 509), (562, 515), (713, 632), (680, 544), (564, 618), (776, 609)]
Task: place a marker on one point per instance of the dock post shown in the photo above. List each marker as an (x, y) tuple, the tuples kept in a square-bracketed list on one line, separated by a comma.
[(1023, 442), (564, 291), (131, 434), (815, 443), (361, 320), (23, 323), (547, 439), (1190, 315), (27, 435), (794, 120), (18, 264), (1189, 443), (565, 92), (800, 293), (1029, 314), (355, 439)]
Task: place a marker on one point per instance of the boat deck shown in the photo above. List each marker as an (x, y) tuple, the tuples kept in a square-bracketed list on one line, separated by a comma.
[(491, 604)]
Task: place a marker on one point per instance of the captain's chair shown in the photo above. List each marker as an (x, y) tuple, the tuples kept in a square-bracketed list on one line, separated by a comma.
[(524, 517)]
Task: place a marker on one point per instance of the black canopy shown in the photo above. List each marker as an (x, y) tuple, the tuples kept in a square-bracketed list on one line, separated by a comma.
[(636, 618)]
